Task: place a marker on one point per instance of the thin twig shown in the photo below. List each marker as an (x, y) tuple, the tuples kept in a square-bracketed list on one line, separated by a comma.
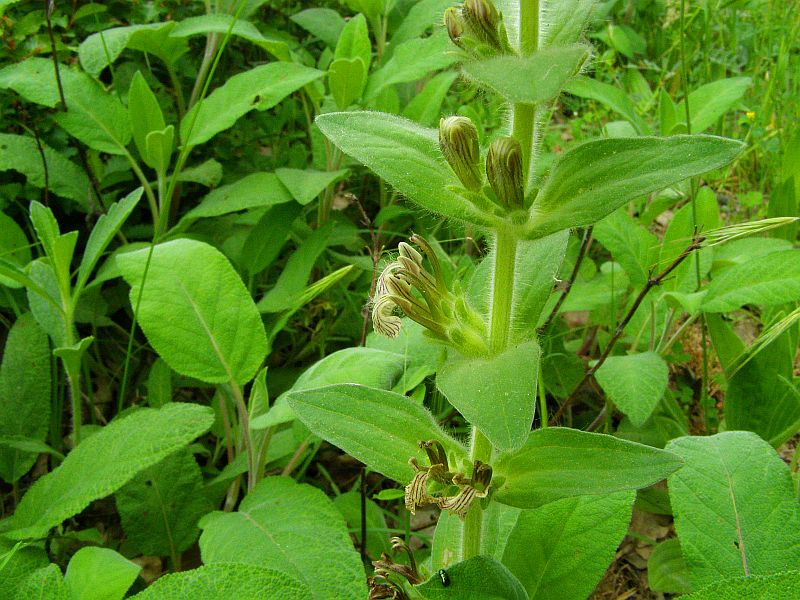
[(651, 283), (585, 243), (375, 255)]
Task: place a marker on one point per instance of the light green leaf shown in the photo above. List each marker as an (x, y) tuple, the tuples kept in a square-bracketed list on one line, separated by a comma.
[(226, 580), (208, 173), (260, 88), (100, 49), (294, 529), (214, 332), (755, 587), (764, 280), (412, 60), (495, 394), (103, 463), (95, 117), (630, 244), (421, 16), (145, 114), (635, 383), (43, 584), (161, 506), (563, 22), (35, 80), (666, 569), (595, 178), (159, 148), (14, 248), (325, 23), (396, 424), (99, 574), (307, 184), (45, 300), (354, 42), (221, 24), (346, 80), (735, 506), (20, 153), (257, 190), (18, 562), (611, 97), (528, 79), (404, 154), (103, 232), (560, 463), (24, 394), (710, 101), (561, 550), (479, 578)]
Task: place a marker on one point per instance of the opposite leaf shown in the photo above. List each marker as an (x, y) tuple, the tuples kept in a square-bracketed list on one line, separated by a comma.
[(735, 506), (559, 463), (105, 462), (595, 178), (380, 428), (405, 155), (196, 312)]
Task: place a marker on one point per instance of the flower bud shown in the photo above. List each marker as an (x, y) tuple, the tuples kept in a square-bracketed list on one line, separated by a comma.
[(482, 18), (504, 171), (458, 140), (454, 26)]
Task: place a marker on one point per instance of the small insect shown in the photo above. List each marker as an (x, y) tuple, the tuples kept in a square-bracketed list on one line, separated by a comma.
[(444, 577)]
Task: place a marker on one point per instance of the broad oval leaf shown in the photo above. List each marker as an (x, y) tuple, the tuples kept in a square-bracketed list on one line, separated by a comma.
[(395, 424), (635, 383), (292, 528), (763, 280), (196, 312), (100, 49), (559, 463), (478, 578), (226, 580), (735, 506), (103, 463), (99, 574), (666, 569), (496, 394), (594, 179), (528, 79), (561, 550), (405, 155)]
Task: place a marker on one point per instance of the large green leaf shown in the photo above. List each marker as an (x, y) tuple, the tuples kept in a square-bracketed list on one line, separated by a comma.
[(227, 580), (100, 574), (735, 506), (630, 244), (46, 583), (768, 587), (307, 184), (528, 79), (212, 331), (103, 463), (260, 88), (635, 383), (20, 153), (221, 23), (496, 394), (380, 428), (405, 155), (95, 117), (594, 179), (294, 529), (100, 49), (559, 463), (712, 100), (563, 22), (161, 506), (561, 550), (611, 97), (35, 80), (24, 394), (17, 562), (478, 578), (325, 23), (763, 280)]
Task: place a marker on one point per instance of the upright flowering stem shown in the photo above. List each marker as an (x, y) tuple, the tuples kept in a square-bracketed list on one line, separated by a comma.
[(505, 255)]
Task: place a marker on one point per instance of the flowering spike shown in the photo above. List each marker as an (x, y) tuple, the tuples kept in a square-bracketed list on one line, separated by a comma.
[(458, 140), (504, 171)]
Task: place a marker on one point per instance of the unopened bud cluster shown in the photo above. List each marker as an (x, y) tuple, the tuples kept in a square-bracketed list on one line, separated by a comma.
[(458, 141), (477, 28), (424, 297)]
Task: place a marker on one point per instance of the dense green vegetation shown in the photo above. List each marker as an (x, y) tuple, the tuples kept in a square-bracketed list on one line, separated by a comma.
[(399, 299)]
